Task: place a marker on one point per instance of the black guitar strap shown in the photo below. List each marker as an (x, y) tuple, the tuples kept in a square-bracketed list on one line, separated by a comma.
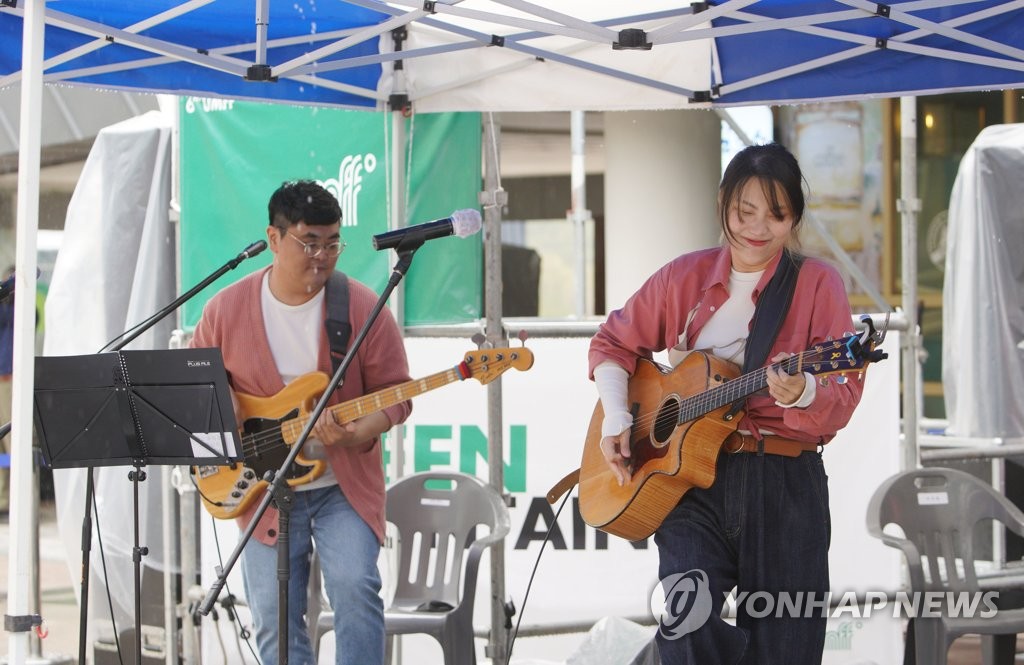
[(769, 313), (339, 329)]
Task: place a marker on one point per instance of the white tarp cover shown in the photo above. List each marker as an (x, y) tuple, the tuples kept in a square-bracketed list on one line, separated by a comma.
[(116, 267), (983, 292)]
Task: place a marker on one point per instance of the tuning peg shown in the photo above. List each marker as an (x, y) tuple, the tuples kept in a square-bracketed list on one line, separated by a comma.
[(841, 379), (830, 339), (479, 339), (823, 381), (523, 335)]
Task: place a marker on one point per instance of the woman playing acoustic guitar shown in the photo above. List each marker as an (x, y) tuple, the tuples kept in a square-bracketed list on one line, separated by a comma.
[(762, 524)]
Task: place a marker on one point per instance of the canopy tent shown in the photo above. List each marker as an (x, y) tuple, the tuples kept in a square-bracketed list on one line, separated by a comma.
[(507, 55)]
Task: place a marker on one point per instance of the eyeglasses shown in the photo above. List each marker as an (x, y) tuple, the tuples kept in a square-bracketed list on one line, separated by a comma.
[(333, 249)]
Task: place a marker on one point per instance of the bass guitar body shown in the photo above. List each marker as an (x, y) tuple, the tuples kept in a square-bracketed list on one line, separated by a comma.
[(228, 491), (668, 456)]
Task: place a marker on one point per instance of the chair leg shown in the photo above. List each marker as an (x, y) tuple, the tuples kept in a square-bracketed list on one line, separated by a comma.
[(458, 645), (998, 649), (930, 641)]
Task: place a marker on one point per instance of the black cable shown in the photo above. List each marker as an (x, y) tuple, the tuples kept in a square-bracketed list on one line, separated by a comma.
[(106, 578), (526, 595), (241, 632)]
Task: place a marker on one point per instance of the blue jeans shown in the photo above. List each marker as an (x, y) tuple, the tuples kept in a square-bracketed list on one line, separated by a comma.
[(763, 526), (348, 551)]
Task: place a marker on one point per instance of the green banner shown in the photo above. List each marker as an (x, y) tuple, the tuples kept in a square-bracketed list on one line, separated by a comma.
[(235, 154)]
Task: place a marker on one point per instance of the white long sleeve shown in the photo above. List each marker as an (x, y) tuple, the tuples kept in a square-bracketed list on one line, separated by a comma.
[(612, 384)]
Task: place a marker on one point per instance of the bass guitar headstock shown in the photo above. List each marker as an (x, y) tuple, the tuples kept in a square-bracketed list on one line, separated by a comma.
[(486, 364)]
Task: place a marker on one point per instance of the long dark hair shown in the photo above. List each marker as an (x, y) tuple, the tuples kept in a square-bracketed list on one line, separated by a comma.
[(772, 164)]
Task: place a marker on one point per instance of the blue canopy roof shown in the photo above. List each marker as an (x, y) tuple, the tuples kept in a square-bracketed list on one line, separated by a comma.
[(482, 55)]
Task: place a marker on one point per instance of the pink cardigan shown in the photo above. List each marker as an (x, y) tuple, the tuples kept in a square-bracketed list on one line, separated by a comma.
[(233, 321)]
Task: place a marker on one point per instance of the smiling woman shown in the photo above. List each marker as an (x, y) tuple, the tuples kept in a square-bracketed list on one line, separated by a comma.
[(752, 301)]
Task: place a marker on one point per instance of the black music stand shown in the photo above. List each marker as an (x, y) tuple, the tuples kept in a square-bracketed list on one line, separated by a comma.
[(134, 408)]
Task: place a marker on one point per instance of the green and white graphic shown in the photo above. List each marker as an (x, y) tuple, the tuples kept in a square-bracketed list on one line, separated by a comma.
[(234, 155)]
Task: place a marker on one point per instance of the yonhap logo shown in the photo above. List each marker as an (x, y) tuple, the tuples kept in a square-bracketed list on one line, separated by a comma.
[(681, 603)]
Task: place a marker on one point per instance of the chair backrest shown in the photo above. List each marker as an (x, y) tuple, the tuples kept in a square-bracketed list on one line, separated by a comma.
[(438, 515), (938, 510)]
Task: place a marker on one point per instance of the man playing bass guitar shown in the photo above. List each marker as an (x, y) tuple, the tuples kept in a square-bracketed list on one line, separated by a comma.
[(271, 329)]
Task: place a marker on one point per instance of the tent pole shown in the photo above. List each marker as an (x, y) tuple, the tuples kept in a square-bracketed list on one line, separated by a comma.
[(579, 213), (21, 618), (908, 206), (493, 199)]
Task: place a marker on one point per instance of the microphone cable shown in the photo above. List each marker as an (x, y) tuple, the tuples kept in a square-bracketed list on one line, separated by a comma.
[(529, 584)]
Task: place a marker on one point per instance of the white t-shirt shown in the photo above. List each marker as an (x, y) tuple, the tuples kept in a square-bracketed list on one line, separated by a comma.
[(293, 332), (725, 333)]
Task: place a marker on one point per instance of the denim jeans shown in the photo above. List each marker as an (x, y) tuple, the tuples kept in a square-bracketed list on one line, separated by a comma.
[(348, 551), (763, 526)]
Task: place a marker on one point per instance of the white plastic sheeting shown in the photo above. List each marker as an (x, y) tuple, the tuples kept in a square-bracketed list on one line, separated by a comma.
[(983, 293), (116, 267)]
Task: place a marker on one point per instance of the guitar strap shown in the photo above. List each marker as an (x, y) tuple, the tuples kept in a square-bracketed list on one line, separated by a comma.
[(339, 329), (769, 313)]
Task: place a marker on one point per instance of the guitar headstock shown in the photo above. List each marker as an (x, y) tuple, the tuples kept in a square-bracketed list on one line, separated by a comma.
[(850, 354), (485, 365)]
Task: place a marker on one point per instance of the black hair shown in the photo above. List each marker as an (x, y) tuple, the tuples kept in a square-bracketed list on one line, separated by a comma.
[(772, 164), (303, 201)]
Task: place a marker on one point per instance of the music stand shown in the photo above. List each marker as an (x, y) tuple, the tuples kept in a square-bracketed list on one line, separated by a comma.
[(134, 408)]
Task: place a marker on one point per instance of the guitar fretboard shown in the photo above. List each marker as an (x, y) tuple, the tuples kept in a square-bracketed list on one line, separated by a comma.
[(378, 401), (812, 360)]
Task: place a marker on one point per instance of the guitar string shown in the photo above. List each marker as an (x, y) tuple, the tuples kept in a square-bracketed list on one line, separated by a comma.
[(259, 443), (697, 405)]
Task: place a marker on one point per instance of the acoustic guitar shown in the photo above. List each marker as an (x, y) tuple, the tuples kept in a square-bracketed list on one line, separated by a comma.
[(680, 420), (271, 425)]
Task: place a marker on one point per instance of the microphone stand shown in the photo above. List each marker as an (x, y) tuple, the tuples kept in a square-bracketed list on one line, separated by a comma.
[(137, 474), (128, 337), (279, 491)]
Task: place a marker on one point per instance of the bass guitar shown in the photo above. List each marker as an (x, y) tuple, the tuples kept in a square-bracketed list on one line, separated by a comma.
[(680, 420), (271, 425)]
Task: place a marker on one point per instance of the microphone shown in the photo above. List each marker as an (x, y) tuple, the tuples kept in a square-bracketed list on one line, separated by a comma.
[(462, 223), (253, 249), (247, 253)]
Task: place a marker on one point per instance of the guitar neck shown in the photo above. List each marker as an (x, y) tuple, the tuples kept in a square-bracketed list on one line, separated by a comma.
[(380, 400), (703, 403)]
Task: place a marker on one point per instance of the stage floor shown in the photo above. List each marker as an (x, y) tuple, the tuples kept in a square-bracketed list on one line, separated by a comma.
[(60, 609)]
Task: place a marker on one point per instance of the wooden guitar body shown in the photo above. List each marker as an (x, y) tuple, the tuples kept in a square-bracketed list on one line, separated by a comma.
[(679, 426), (668, 458)]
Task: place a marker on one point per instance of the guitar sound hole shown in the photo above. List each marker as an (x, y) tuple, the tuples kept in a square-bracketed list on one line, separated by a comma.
[(665, 421)]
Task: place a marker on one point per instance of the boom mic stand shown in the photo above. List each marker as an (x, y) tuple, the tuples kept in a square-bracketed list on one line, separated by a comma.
[(137, 474), (279, 491)]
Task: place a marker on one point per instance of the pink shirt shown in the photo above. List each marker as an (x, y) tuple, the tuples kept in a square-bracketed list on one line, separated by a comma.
[(692, 287), (233, 321)]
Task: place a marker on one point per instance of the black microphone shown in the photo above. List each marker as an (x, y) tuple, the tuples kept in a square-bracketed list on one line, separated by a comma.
[(461, 223), (247, 253), (253, 249)]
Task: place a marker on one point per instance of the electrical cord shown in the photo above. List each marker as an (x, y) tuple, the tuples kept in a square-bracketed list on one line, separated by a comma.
[(529, 584), (106, 578), (228, 603)]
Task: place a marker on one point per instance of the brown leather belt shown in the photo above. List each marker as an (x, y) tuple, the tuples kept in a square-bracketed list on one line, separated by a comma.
[(771, 444)]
